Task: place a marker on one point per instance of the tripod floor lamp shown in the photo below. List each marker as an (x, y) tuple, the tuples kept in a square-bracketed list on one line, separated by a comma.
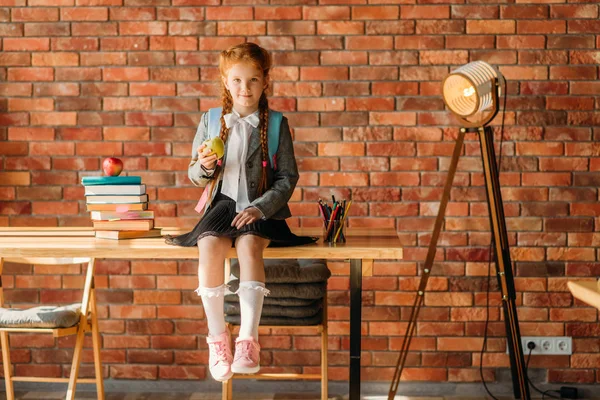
[(471, 92)]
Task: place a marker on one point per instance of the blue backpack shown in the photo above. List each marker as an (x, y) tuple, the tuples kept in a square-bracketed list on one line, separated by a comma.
[(275, 117)]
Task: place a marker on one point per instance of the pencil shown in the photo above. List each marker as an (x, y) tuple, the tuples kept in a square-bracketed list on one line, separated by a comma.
[(342, 221)]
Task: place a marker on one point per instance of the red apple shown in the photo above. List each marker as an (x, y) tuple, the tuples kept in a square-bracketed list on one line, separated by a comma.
[(112, 166)]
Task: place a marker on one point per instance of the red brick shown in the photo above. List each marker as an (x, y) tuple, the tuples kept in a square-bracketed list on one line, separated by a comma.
[(79, 134), (11, 29), (546, 179), (103, 59), (134, 371), (491, 27), (230, 13), (181, 14), (103, 89), (143, 28), (146, 58), (126, 103), (79, 74), (148, 119), (25, 44), (576, 72), (56, 89), (44, 370), (33, 163), (53, 118), (30, 74), (132, 14), (94, 29), (163, 297), (378, 13), (125, 74), (126, 133), (124, 43), (53, 177), (34, 14), (37, 134), (253, 28), (541, 149), (568, 375), (15, 207), (344, 179), (147, 149), (83, 14), (192, 28), (150, 357), (98, 148), (77, 163), (341, 149), (325, 12), (75, 44), (132, 312), (51, 208), (173, 43), (573, 11), (182, 372), (323, 105)]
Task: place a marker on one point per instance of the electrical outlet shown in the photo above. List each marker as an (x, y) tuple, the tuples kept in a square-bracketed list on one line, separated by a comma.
[(547, 345)]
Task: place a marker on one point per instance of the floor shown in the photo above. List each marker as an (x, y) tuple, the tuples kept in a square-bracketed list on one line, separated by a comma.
[(215, 396), (278, 390), (212, 396)]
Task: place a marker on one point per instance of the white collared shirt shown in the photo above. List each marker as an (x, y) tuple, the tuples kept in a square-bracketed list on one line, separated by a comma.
[(234, 175)]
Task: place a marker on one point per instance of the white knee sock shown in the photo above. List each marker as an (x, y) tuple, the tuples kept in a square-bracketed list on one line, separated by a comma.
[(252, 294), (213, 300)]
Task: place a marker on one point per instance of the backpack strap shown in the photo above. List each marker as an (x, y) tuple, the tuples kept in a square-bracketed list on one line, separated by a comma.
[(275, 117), (214, 122)]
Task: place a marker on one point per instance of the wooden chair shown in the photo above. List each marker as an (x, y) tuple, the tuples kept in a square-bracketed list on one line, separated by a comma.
[(227, 386), (88, 322)]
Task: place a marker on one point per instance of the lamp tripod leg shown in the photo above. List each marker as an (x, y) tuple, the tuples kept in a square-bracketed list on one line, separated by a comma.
[(503, 264), (412, 323)]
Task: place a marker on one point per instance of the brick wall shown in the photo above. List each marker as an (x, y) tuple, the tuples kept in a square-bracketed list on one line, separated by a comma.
[(360, 83)]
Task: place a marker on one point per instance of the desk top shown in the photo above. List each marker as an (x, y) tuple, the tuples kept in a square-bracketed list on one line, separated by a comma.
[(80, 242)]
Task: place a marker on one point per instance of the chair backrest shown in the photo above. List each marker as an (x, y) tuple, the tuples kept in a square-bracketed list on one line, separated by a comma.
[(57, 261)]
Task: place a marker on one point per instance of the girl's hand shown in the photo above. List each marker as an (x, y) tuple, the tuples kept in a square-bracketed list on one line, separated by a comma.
[(248, 216), (208, 161)]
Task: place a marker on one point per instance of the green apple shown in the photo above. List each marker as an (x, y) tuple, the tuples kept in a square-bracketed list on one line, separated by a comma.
[(214, 145)]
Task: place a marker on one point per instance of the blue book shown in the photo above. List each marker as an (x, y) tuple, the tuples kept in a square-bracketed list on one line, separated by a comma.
[(111, 180)]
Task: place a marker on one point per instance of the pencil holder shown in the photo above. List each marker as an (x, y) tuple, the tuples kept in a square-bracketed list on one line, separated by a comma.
[(335, 233), (334, 219)]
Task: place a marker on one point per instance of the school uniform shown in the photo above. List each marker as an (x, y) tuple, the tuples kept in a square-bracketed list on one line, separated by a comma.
[(238, 186)]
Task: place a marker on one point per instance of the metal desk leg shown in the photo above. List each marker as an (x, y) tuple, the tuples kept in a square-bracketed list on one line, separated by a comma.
[(355, 325)]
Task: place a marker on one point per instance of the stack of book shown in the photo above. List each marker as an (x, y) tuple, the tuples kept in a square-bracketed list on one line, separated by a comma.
[(119, 207)]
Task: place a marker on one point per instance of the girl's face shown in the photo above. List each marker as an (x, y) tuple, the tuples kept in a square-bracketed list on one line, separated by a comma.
[(246, 83)]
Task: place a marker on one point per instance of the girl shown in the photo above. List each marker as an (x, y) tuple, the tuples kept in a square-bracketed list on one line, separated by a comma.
[(246, 205)]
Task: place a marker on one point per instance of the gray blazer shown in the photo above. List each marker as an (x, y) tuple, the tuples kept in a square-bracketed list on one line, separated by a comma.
[(280, 182)]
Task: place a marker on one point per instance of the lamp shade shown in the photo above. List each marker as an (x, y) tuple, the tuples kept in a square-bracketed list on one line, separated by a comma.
[(469, 89)]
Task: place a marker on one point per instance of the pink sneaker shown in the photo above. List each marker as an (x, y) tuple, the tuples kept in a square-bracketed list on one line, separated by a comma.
[(247, 356), (219, 361)]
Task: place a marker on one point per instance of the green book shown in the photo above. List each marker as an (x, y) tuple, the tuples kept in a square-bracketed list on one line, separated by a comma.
[(111, 180)]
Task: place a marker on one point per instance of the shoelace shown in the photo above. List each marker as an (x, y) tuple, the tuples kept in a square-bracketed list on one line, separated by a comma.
[(220, 351), (246, 347)]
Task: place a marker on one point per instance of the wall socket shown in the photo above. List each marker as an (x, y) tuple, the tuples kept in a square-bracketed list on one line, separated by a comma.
[(547, 345)]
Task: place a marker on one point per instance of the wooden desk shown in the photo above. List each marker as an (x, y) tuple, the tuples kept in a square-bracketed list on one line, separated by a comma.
[(361, 248), (587, 291)]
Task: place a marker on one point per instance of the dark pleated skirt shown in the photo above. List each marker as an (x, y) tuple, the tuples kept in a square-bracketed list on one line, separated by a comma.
[(217, 222)]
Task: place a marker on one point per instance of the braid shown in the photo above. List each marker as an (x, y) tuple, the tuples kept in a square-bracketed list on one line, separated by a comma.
[(263, 107), (227, 107)]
